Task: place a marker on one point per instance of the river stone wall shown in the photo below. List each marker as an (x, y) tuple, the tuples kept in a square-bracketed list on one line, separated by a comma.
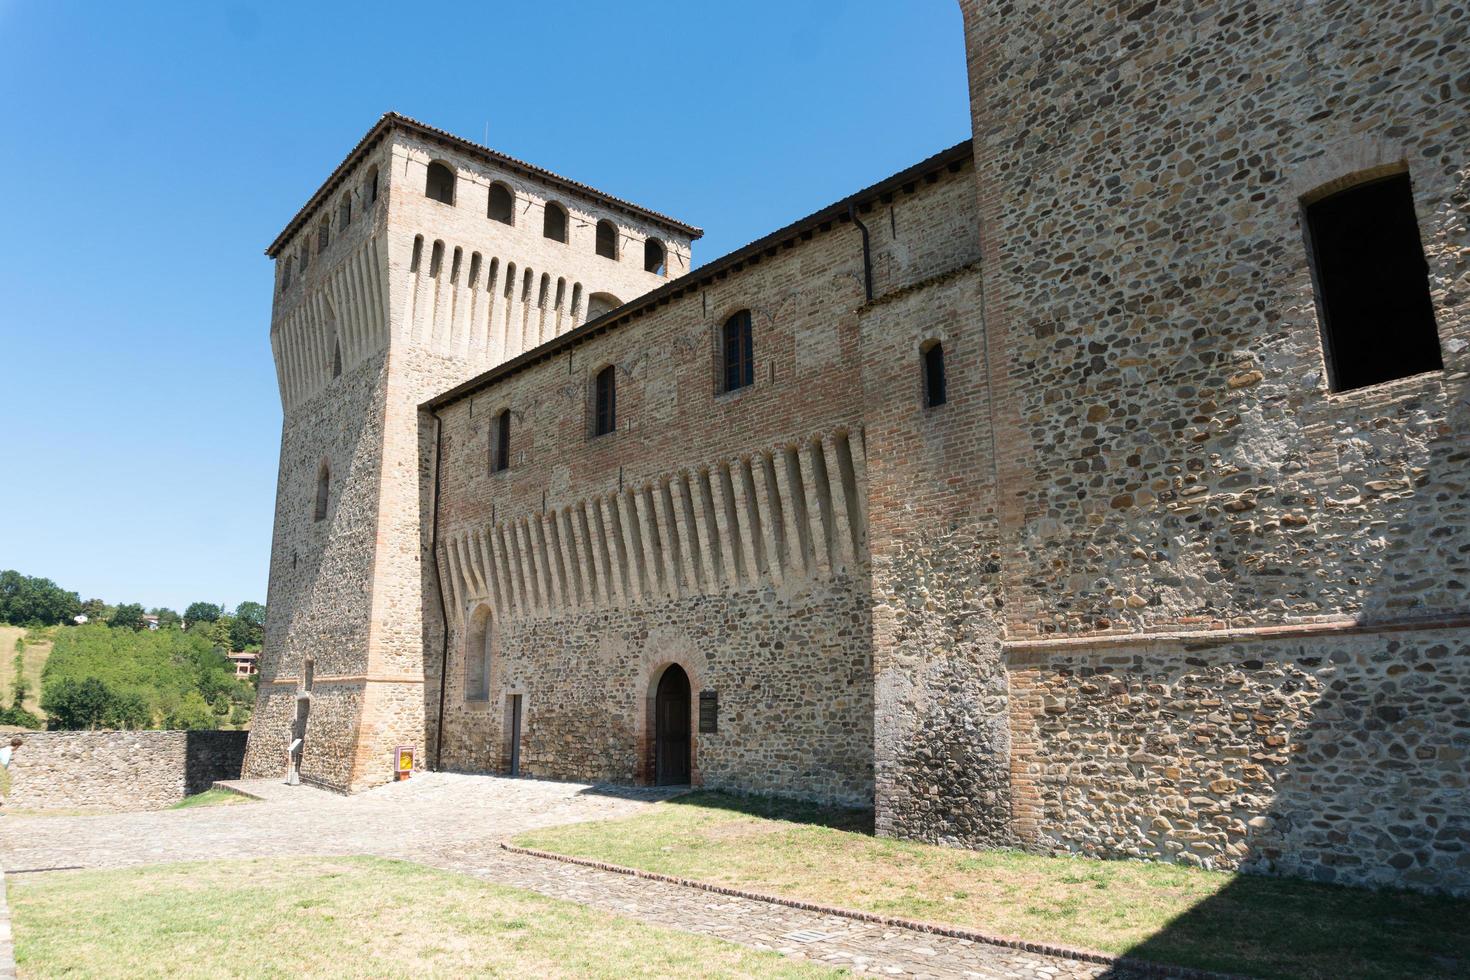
[(1336, 758), (117, 770)]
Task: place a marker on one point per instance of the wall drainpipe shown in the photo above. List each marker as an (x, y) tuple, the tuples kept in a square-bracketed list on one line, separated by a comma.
[(439, 582), (867, 253)]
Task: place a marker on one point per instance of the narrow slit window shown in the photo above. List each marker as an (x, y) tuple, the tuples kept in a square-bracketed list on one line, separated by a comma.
[(337, 358), (323, 235), (1372, 282), (344, 212), (605, 418), (323, 491), (500, 443), (372, 187), (439, 184), (739, 352), (936, 391)]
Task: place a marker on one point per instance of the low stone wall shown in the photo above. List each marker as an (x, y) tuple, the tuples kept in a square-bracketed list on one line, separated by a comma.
[(1341, 759), (119, 770)]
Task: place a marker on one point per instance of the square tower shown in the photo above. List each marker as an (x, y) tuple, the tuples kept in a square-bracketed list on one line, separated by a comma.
[(422, 260)]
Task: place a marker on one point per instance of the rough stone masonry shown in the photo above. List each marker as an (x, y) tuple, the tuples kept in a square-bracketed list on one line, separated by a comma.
[(1016, 495)]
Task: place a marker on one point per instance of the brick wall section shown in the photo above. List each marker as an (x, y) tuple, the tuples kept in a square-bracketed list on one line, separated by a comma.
[(787, 643), (118, 770)]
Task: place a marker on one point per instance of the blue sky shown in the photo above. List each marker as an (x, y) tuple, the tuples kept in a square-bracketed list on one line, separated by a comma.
[(151, 151)]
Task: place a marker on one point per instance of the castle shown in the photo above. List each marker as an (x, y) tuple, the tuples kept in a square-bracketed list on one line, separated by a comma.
[(1097, 485)]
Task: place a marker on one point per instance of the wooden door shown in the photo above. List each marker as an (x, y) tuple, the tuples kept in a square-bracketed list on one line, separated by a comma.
[(671, 719)]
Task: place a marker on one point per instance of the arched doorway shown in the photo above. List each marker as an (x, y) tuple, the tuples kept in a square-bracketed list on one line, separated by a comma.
[(671, 728)]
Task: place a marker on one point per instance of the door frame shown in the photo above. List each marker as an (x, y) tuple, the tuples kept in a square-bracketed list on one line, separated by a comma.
[(646, 762)]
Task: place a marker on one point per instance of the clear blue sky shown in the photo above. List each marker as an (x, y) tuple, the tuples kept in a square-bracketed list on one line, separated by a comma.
[(152, 150)]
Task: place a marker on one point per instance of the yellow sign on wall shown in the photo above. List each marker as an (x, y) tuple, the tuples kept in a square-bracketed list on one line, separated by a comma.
[(405, 761)]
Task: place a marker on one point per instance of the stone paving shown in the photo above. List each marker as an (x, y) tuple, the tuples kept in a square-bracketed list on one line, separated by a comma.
[(456, 823)]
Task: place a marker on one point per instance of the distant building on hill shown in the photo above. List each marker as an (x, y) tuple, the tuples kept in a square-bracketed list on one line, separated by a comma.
[(245, 662)]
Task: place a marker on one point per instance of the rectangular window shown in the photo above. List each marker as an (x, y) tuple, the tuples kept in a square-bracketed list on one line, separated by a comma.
[(500, 448), (739, 352), (606, 417), (1372, 284)]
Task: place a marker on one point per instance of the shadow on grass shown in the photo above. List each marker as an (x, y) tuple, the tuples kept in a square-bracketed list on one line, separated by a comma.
[(855, 821), (1283, 927)]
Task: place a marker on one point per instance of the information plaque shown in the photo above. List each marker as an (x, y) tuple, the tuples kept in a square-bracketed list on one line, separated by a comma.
[(709, 712)]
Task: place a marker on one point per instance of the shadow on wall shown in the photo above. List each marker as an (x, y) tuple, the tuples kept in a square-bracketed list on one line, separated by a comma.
[(211, 756)]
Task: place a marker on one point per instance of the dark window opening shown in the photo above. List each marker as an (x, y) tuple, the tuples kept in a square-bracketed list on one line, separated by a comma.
[(336, 358), (739, 352), (372, 186), (436, 260), (554, 225), (1372, 285), (323, 488), (439, 184), (653, 256), (935, 390), (500, 443), (418, 253), (323, 235), (344, 213), (502, 204), (607, 240), (605, 419)]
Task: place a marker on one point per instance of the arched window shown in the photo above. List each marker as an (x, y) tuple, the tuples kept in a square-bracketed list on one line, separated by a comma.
[(605, 397), (502, 204), (323, 235), (336, 357), (323, 488), (653, 256), (1371, 280), (738, 352), (600, 303), (935, 386), (439, 184), (344, 212), (554, 224), (477, 657), (607, 240), (370, 189), (500, 442), (418, 253)]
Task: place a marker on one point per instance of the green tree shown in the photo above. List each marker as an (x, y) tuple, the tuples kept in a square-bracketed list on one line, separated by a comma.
[(252, 613), (77, 704), (97, 611), (167, 618), (202, 612), (27, 601), (129, 615), (192, 713)]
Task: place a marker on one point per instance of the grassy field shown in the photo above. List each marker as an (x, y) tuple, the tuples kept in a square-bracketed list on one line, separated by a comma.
[(343, 917), (36, 653), (1265, 927)]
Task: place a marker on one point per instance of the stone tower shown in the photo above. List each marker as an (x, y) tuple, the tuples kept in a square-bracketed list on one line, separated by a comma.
[(420, 262)]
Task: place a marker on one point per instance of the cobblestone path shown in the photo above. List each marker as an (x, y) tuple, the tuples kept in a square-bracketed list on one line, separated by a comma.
[(456, 823)]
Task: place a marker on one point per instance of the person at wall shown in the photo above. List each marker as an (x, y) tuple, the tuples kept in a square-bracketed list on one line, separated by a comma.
[(6, 754)]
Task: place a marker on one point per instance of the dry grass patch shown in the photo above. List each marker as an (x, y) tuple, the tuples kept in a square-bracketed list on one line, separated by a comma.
[(1238, 923), (343, 917), (37, 649)]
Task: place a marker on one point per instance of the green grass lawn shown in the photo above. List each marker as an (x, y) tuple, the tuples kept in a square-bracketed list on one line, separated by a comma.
[(342, 917), (211, 797), (1266, 927)]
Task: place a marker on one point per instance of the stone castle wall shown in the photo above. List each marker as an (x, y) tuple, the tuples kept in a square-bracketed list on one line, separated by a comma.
[(120, 770), (1341, 758)]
